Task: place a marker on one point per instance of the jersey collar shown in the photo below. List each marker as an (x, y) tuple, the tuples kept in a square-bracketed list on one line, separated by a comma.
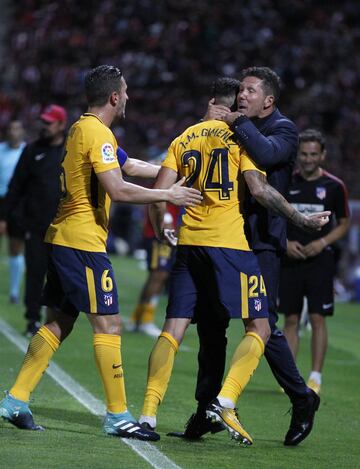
[(90, 114)]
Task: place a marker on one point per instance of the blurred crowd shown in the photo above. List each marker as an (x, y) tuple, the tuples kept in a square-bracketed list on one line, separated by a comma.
[(171, 51)]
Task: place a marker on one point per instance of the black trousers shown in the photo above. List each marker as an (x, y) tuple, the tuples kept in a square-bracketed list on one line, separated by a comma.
[(212, 351), (36, 260)]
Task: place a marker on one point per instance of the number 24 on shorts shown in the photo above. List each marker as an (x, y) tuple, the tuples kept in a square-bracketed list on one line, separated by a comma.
[(254, 285)]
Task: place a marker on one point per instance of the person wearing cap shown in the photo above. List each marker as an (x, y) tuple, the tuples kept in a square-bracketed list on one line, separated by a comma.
[(34, 191)]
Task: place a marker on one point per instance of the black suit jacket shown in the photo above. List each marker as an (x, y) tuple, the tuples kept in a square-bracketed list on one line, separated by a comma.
[(272, 143)]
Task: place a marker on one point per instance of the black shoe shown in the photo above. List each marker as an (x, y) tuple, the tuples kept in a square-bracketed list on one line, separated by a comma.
[(32, 328), (197, 426), (147, 426), (302, 420)]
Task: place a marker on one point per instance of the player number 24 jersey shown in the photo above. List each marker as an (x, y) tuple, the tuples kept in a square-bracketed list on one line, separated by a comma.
[(212, 163)]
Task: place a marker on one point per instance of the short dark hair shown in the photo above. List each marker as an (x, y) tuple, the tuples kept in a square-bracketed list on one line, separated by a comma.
[(312, 135), (100, 82), (271, 80), (225, 88)]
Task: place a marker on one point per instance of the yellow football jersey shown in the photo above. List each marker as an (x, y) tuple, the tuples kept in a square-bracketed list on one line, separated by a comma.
[(212, 163), (83, 214)]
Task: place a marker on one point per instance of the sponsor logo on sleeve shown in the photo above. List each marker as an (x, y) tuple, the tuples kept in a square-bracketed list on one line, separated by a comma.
[(108, 153)]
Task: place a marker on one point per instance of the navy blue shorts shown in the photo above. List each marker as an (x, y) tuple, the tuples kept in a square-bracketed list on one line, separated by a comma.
[(227, 281), (80, 281), (160, 256), (313, 278)]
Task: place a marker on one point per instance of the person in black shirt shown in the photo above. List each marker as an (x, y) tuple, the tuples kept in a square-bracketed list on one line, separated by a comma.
[(33, 196), (309, 268)]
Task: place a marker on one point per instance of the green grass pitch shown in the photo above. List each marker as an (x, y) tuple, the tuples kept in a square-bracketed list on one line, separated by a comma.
[(73, 436)]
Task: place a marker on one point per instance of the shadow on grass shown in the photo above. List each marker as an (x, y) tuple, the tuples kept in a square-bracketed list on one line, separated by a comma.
[(266, 391), (70, 416)]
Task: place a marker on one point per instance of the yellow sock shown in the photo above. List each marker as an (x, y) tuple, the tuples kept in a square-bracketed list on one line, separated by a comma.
[(244, 362), (148, 314), (41, 348), (144, 312), (107, 349), (161, 363)]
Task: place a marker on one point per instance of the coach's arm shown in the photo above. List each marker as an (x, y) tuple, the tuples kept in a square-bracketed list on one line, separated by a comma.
[(278, 146), (266, 151)]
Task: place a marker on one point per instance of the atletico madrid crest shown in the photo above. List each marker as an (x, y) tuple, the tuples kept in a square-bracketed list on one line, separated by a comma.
[(321, 193), (257, 304), (108, 299)]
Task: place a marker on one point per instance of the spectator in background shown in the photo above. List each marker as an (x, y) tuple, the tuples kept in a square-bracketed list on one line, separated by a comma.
[(309, 268), (162, 49), (36, 189), (10, 151)]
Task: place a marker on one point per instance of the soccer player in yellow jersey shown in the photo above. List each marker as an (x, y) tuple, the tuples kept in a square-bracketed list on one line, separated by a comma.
[(215, 272), (80, 276)]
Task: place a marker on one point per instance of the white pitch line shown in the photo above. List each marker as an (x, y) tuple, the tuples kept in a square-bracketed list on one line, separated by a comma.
[(144, 449)]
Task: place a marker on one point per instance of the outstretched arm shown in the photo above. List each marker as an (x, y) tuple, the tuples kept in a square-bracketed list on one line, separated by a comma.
[(270, 198), (139, 168), (122, 191), (135, 167)]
